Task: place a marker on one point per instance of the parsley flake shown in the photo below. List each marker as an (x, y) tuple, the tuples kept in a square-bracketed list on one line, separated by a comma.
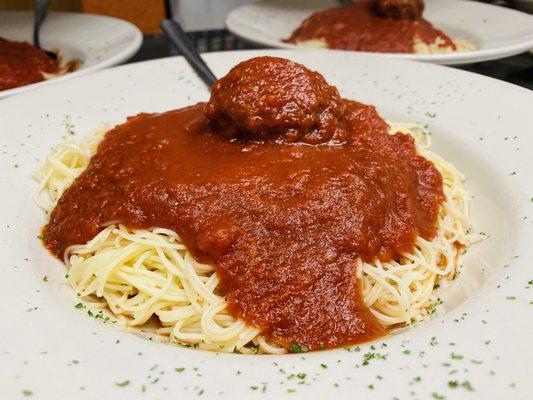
[(373, 355), (296, 348), (456, 356), (468, 386)]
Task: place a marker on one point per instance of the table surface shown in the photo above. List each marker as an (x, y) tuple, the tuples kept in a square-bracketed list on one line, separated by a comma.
[(517, 69)]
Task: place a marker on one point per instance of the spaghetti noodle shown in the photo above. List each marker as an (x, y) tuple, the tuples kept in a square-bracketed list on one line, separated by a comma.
[(143, 275)]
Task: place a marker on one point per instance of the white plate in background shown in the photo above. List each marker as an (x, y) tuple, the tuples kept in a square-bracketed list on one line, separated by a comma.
[(496, 32), (482, 125), (97, 41)]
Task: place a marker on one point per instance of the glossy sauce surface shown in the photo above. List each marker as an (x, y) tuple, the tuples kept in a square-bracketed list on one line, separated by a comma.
[(360, 27), (22, 64), (283, 218)]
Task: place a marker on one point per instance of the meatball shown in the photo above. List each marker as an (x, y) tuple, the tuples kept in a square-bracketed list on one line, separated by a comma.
[(400, 9), (270, 98)]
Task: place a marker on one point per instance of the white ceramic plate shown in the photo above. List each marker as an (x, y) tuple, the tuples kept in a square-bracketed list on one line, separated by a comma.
[(97, 41), (482, 125), (496, 32)]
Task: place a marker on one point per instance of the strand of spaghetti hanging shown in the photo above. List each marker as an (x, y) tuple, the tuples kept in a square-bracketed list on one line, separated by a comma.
[(181, 41)]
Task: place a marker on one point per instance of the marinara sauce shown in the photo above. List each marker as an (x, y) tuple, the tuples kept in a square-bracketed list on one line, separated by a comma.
[(364, 26), (22, 64), (279, 183)]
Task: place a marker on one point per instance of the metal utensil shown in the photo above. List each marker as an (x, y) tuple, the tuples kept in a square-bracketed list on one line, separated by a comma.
[(178, 38), (41, 10)]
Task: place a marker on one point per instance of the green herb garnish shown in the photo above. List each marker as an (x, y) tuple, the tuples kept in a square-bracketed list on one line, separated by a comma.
[(296, 348)]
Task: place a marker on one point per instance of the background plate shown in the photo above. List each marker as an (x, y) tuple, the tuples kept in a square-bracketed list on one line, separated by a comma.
[(97, 41), (496, 32), (480, 124)]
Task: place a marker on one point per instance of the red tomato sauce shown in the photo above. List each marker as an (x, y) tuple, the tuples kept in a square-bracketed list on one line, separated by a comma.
[(22, 64), (359, 27), (282, 209)]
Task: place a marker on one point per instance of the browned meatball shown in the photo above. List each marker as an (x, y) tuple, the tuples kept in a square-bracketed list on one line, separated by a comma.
[(270, 98), (400, 9)]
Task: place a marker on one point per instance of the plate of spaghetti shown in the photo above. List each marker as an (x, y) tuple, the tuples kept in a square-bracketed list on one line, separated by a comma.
[(317, 224), (447, 32), (82, 43)]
